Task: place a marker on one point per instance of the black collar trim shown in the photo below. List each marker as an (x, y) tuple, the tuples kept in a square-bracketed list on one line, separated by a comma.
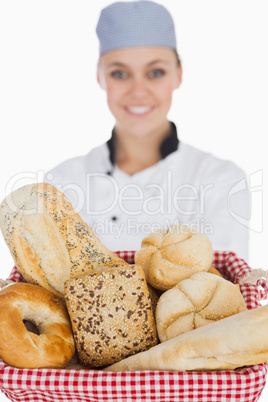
[(169, 145)]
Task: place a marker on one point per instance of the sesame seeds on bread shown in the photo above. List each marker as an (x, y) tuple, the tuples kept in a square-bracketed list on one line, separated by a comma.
[(111, 315)]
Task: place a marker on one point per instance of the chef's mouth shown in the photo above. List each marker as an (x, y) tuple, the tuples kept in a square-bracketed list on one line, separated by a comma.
[(139, 110)]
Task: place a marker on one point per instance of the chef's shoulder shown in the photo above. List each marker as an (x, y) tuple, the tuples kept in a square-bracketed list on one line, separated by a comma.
[(205, 165), (75, 169)]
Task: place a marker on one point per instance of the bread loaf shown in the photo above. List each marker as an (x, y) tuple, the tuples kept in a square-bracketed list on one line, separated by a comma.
[(194, 302), (169, 256), (111, 315), (236, 341), (48, 240)]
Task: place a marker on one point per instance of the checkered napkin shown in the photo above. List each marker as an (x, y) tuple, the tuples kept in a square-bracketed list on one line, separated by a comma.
[(245, 384)]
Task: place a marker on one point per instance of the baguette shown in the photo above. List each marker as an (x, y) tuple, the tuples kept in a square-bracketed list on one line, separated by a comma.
[(236, 341), (48, 240)]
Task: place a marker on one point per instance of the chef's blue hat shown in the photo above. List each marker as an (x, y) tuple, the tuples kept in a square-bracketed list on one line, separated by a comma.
[(135, 23)]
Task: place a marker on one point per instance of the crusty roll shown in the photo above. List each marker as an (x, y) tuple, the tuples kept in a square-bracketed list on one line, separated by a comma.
[(169, 256), (236, 341), (213, 270), (194, 302), (111, 315), (48, 240), (53, 344)]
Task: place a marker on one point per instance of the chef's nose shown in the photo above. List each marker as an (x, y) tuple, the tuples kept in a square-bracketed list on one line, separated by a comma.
[(139, 86)]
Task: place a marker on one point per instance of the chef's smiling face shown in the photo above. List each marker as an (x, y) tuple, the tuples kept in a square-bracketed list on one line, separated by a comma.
[(139, 83)]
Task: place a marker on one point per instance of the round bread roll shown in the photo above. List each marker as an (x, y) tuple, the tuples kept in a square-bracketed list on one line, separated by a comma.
[(213, 270), (169, 256), (194, 302), (53, 346)]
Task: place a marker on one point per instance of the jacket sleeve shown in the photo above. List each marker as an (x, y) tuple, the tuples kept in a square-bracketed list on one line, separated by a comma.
[(228, 209)]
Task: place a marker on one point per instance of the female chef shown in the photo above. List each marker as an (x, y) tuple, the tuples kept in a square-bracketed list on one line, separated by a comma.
[(144, 178)]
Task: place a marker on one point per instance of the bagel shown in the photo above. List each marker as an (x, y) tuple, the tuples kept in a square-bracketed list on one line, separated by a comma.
[(170, 255), (194, 302), (53, 347)]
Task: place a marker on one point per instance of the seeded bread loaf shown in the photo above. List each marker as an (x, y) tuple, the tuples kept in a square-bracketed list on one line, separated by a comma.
[(48, 240), (111, 315), (154, 297)]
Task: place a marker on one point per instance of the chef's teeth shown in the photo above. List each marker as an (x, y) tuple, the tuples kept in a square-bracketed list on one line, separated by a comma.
[(139, 109)]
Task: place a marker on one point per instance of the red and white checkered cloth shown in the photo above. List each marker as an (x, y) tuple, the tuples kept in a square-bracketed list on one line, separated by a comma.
[(245, 384)]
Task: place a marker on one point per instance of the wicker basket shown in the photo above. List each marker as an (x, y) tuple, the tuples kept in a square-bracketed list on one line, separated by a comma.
[(245, 384)]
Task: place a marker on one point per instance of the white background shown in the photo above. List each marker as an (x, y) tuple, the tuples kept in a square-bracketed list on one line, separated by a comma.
[(51, 107)]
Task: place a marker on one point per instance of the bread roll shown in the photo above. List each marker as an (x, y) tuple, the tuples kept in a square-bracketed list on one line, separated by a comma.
[(194, 302), (236, 341), (52, 344), (213, 270), (111, 315), (48, 240), (169, 256)]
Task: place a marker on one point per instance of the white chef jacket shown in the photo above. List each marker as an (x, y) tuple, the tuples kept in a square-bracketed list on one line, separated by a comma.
[(186, 186)]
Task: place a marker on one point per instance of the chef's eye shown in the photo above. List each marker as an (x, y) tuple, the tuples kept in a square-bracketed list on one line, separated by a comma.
[(119, 74), (158, 72)]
